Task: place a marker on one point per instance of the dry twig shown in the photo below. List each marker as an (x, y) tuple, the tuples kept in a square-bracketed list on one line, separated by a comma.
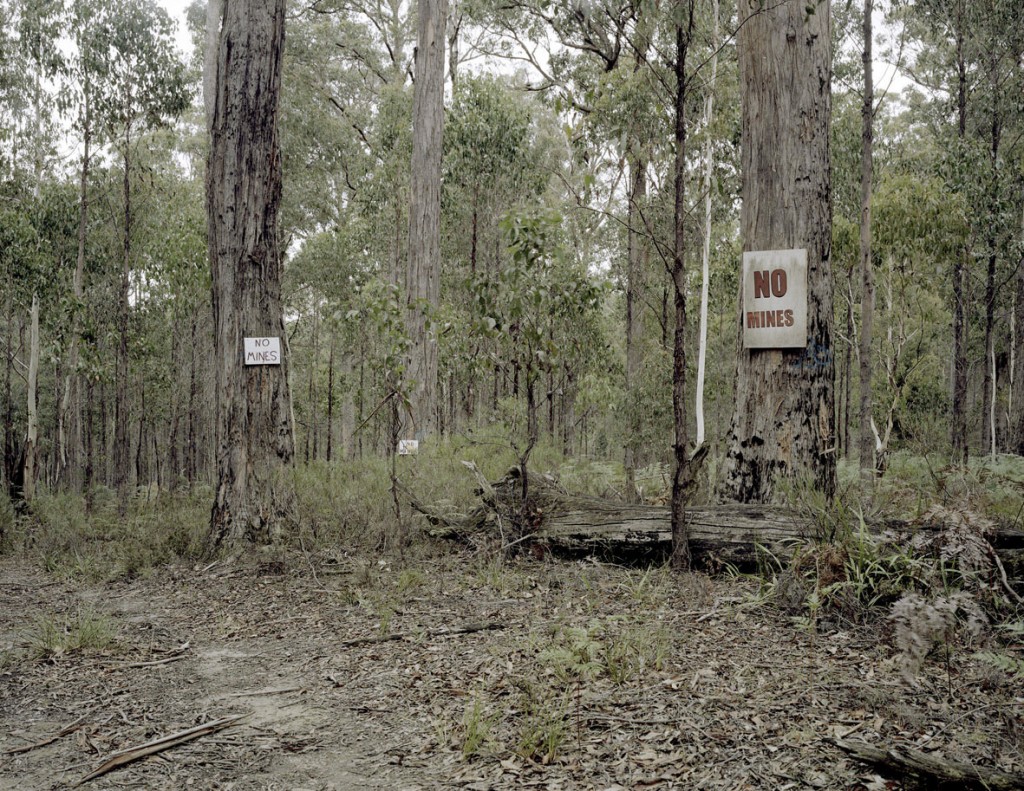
[(387, 638), (131, 754), (67, 729)]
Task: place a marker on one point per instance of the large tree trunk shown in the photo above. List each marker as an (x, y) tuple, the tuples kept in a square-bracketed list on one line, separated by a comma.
[(255, 435), (867, 299), (783, 423), (423, 276)]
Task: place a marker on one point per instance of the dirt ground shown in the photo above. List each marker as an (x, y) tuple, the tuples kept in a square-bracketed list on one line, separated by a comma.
[(459, 672)]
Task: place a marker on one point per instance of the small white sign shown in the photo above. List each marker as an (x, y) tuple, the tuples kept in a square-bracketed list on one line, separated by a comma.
[(408, 447), (775, 299), (262, 351)]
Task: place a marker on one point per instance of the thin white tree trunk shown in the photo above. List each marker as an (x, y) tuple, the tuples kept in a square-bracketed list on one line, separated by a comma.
[(709, 165), (32, 407)]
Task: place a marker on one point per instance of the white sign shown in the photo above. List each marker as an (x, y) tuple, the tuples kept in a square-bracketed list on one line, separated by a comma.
[(408, 447), (775, 299), (262, 351)]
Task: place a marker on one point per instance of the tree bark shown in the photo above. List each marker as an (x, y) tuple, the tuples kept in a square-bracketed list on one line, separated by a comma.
[(958, 422), (69, 449), (1017, 375), (330, 399), (785, 400), (932, 770), (10, 450), (28, 484), (635, 287), (255, 434), (122, 442), (681, 476), (705, 274), (729, 534), (423, 276), (637, 262), (867, 299), (988, 423)]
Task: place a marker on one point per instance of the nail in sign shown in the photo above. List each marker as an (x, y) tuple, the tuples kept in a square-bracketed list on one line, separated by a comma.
[(262, 351), (775, 299)]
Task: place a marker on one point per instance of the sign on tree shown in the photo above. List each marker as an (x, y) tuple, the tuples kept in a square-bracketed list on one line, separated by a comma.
[(262, 351), (775, 299)]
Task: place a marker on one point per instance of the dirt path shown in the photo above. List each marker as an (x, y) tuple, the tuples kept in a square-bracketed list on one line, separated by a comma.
[(231, 653), (536, 675)]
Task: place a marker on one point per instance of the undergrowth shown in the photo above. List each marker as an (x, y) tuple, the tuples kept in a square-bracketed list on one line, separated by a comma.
[(84, 631), (933, 575)]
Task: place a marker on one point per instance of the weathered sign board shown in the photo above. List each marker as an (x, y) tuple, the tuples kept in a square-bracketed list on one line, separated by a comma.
[(408, 447), (262, 351), (775, 299)]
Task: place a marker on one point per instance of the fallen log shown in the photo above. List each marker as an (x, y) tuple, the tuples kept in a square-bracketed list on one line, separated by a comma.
[(732, 534), (905, 762)]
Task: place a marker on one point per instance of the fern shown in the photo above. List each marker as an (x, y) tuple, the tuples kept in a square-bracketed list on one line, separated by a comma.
[(1011, 665)]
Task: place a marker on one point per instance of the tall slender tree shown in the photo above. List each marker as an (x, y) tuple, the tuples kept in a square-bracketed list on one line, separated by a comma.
[(685, 18), (423, 276), (867, 299)]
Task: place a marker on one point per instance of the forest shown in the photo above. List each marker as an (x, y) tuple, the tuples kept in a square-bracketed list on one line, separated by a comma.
[(603, 394)]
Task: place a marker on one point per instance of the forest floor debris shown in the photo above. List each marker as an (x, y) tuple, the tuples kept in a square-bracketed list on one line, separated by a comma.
[(599, 677)]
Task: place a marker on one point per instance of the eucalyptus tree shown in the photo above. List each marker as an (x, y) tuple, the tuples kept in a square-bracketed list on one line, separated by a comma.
[(867, 301), (783, 422), (423, 275), (492, 165), (599, 73), (255, 435), (968, 60), (1002, 34), (918, 224), (37, 26), (140, 85)]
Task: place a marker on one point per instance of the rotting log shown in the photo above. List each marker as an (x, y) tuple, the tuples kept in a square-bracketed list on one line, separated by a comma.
[(905, 762), (720, 535)]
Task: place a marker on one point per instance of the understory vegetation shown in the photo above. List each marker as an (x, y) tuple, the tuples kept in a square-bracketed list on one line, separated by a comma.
[(932, 594)]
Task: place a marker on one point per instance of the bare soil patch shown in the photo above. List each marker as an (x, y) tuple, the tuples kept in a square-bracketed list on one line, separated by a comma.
[(464, 673)]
